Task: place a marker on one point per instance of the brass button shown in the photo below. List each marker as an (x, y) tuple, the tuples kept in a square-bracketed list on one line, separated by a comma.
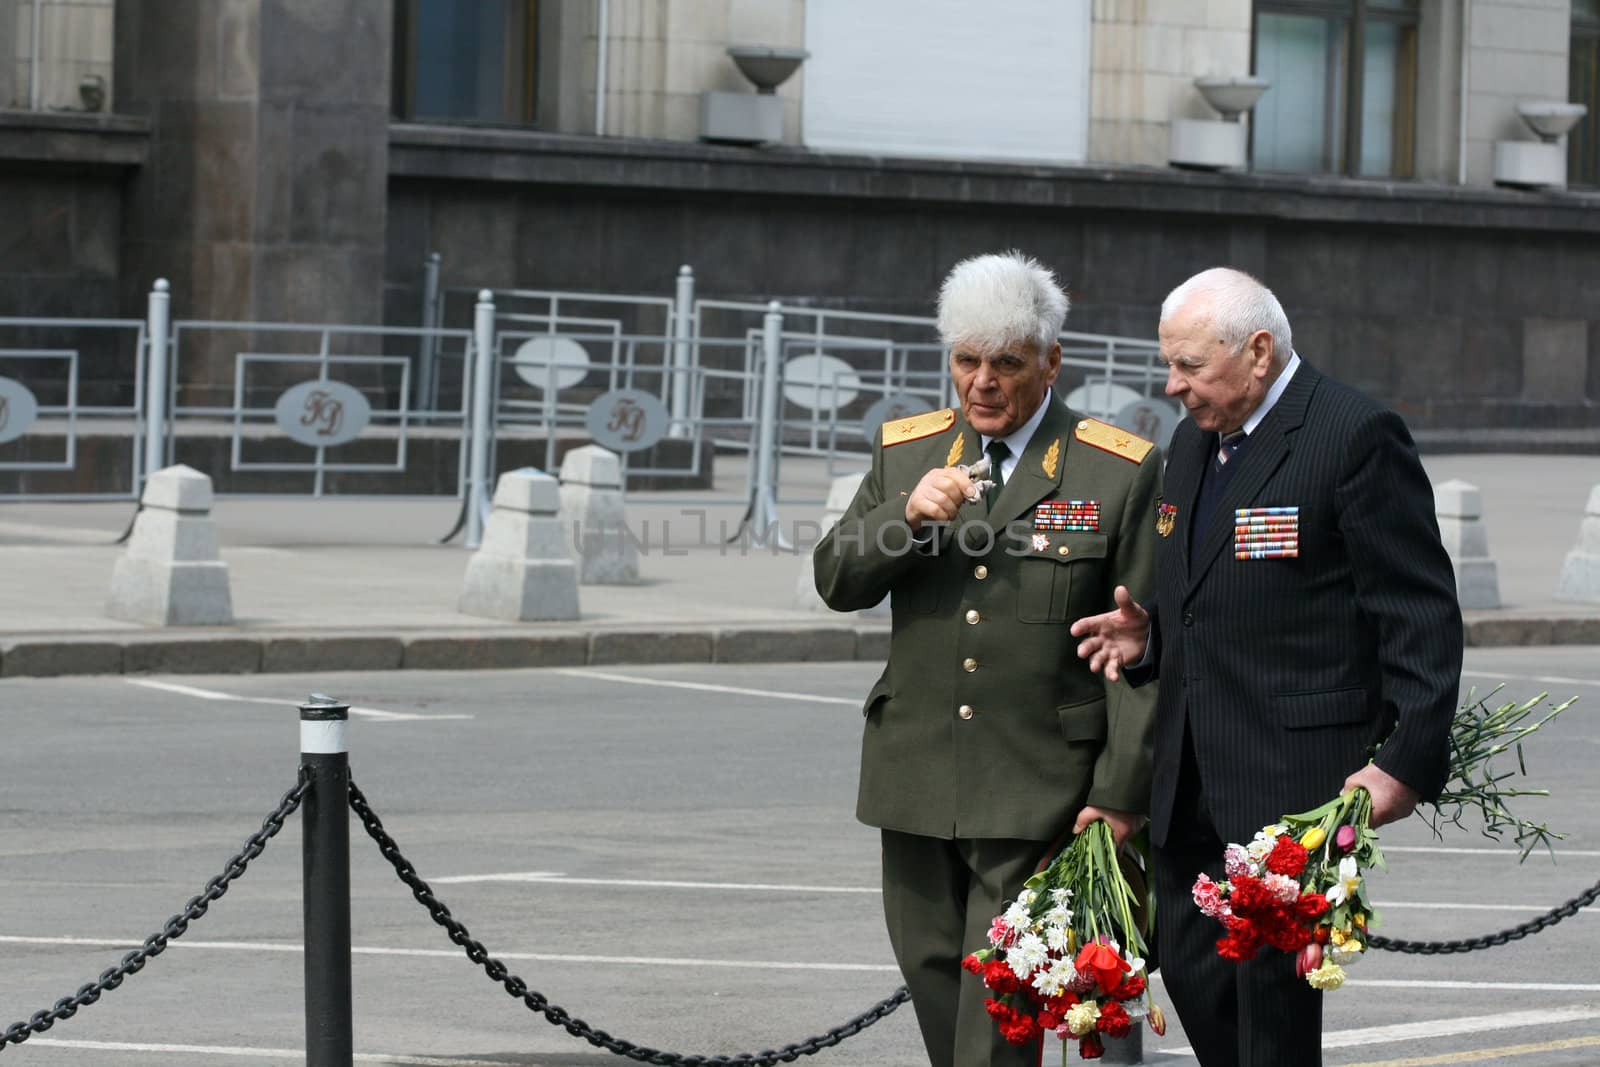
[(972, 616), (969, 664), (1064, 550), (965, 711), (980, 572), (1084, 425)]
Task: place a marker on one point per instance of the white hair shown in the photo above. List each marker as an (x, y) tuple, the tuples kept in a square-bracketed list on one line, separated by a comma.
[(993, 300), (1238, 307)]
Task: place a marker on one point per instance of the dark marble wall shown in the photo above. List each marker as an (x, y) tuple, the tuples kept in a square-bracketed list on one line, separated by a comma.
[(1461, 308)]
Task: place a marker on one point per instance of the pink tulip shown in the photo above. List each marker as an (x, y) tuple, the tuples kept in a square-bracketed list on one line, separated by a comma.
[(1345, 838), (1310, 959)]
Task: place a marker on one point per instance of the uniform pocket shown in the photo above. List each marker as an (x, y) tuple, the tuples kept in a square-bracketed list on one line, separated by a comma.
[(877, 695), (1085, 721), (1045, 573), (1323, 707)]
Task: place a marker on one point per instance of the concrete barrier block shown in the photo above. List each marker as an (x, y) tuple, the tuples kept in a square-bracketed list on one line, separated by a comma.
[(650, 646), (1458, 507), (1580, 571), (799, 644), (171, 573), (522, 572), (594, 518), (841, 491)]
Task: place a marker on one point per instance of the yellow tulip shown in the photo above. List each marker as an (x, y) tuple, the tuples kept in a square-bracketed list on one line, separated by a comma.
[(1313, 837), (1360, 920)]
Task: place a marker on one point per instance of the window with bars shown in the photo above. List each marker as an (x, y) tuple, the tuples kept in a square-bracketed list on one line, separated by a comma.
[(1583, 144), (466, 62), (1344, 85)]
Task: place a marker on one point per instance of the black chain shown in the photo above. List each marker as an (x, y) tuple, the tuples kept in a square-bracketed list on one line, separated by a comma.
[(558, 1016), (1503, 937), (155, 944)]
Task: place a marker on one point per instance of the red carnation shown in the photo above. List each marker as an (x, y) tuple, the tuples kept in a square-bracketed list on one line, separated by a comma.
[(1311, 906), (1048, 1020), (972, 965), (999, 1011), (1114, 1020), (999, 976), (1288, 856), (1090, 1047), (1131, 986), (1020, 1030)]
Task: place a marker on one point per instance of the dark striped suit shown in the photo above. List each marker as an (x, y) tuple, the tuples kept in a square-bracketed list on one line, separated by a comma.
[(1280, 675)]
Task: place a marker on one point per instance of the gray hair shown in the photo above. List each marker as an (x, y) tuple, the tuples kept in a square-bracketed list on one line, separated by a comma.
[(1239, 306), (1000, 299)]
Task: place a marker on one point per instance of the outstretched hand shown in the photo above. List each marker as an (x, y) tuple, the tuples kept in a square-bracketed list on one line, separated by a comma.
[(1115, 639)]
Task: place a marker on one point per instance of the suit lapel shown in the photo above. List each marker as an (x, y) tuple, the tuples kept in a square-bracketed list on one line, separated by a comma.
[(1269, 446), (1189, 457), (1029, 483)]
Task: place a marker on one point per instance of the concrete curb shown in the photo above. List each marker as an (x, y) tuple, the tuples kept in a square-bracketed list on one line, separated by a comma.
[(230, 652)]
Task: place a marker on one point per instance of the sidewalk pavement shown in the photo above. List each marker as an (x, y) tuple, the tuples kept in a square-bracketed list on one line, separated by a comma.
[(363, 585)]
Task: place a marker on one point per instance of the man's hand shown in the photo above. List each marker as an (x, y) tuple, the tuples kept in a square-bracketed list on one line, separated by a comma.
[(937, 497), (1124, 824), (1392, 799), (1115, 639)]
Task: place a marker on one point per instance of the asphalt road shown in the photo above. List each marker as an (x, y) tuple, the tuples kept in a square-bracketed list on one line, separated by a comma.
[(668, 852)]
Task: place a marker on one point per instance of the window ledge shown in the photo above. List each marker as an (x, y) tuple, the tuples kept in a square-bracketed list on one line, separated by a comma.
[(58, 137), (427, 151)]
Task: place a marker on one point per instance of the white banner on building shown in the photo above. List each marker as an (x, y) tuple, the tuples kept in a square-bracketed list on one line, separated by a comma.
[(948, 79)]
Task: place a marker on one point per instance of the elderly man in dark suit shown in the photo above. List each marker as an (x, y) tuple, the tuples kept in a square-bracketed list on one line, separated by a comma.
[(1305, 622), (986, 740)]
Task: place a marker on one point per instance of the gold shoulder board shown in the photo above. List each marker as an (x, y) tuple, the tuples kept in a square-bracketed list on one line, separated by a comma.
[(1113, 439), (916, 427)]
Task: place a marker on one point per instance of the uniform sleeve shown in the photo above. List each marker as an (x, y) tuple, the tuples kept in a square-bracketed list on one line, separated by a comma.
[(1405, 586), (1122, 773), (857, 562)]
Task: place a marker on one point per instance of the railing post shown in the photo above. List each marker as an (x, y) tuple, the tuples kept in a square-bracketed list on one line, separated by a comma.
[(158, 322), (428, 359), (681, 387), (764, 507), (478, 492), (325, 858)]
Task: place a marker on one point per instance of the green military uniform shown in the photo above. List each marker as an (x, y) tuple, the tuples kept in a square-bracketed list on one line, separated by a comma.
[(986, 733)]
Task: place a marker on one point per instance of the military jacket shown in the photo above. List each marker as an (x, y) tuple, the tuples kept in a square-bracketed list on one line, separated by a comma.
[(985, 723)]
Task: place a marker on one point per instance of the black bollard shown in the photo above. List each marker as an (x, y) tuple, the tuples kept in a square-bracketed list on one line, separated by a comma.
[(1128, 1049), (325, 855)]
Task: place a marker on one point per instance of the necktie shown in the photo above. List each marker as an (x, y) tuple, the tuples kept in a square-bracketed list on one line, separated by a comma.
[(1229, 445), (997, 452)]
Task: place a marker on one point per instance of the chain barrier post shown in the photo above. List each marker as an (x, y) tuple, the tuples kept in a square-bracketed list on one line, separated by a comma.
[(428, 361), (158, 321), (764, 526), (325, 852), (681, 387), (478, 490)]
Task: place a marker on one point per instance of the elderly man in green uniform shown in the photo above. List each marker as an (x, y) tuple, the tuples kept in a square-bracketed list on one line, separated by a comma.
[(987, 740)]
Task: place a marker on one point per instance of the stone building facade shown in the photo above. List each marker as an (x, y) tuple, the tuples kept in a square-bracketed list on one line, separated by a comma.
[(297, 160)]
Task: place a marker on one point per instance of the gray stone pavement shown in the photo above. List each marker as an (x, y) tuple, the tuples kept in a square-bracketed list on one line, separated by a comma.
[(364, 584)]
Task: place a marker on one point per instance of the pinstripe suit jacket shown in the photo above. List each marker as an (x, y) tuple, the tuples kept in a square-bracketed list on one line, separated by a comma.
[(1290, 671)]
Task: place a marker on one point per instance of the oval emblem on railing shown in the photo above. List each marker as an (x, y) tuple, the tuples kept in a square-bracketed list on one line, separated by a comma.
[(627, 420), (18, 409), (322, 414)]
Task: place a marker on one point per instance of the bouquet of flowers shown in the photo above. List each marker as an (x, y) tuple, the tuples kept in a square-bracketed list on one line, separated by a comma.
[(1298, 886), (1066, 955)]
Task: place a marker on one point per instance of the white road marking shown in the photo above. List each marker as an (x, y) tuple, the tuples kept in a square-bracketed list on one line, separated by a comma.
[(212, 694), (296, 1054), (457, 954), (1451, 983), (707, 687), (1540, 678), (1435, 1028), (557, 878), (1450, 905), (1511, 853)]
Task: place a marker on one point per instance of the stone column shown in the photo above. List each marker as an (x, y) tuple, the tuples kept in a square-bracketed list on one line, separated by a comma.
[(172, 573), (522, 573), (8, 54), (594, 520), (265, 197), (1460, 512), (1580, 574)]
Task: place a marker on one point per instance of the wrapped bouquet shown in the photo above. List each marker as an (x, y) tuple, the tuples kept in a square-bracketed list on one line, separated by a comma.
[(1299, 885), (1066, 957)]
